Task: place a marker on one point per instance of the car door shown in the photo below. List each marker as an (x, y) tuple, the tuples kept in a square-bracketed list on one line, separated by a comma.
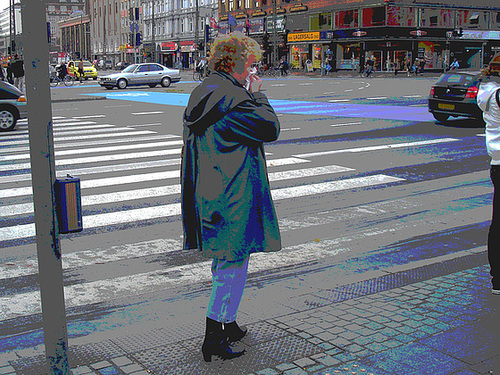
[(156, 73), (141, 74)]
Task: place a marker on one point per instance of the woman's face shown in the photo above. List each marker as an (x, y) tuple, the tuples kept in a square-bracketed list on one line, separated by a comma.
[(243, 70)]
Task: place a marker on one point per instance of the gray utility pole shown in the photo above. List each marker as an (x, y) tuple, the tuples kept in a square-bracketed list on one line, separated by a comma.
[(196, 18), (43, 175), (153, 41), (275, 27)]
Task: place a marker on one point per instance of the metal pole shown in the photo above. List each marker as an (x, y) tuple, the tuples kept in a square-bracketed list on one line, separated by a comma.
[(43, 175), (153, 40), (196, 17), (275, 27)]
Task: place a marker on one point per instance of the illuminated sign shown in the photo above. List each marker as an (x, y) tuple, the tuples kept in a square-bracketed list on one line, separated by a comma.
[(300, 37)]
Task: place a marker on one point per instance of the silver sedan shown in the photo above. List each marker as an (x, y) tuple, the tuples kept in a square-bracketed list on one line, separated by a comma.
[(150, 74)]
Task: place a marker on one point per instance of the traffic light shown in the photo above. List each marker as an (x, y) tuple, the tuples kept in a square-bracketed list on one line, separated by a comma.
[(136, 13), (13, 45), (138, 39), (131, 39)]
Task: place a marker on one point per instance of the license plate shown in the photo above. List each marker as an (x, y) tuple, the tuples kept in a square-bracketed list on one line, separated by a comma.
[(446, 106)]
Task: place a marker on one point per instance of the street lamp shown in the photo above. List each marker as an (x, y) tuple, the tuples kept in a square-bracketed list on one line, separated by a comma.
[(80, 13)]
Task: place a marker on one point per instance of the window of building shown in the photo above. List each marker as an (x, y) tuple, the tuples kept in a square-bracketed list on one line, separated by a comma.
[(374, 16), (346, 19), (401, 16), (320, 21)]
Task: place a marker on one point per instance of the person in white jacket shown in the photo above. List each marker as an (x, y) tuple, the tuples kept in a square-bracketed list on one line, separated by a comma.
[(488, 100)]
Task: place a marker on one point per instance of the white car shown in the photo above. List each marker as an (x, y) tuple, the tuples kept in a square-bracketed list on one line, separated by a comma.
[(150, 74)]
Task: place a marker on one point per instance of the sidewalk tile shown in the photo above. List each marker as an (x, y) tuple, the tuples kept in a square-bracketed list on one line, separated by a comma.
[(285, 366), (7, 370)]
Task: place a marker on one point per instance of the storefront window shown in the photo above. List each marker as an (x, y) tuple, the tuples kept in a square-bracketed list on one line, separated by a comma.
[(374, 16), (346, 19), (299, 55), (320, 21), (401, 16), (317, 48), (472, 19)]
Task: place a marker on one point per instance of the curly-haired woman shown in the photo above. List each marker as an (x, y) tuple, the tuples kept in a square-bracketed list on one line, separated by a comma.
[(227, 208)]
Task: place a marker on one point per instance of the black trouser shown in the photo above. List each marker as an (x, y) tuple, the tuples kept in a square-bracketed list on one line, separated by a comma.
[(494, 232)]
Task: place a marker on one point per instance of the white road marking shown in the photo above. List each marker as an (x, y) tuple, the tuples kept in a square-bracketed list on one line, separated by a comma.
[(22, 138), (88, 116), (347, 123), (339, 100), (377, 148), (142, 125), (348, 90), (279, 85), (329, 92), (84, 258), (412, 96), (162, 211), (97, 159), (93, 150), (377, 98), (288, 129), (306, 84), (147, 113)]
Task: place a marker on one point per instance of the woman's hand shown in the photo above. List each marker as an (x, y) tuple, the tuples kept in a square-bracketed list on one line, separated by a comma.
[(255, 83)]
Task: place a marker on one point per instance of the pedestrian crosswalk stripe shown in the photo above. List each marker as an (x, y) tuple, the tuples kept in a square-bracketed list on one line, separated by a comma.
[(60, 138), (377, 148), (144, 193), (162, 211), (98, 149), (82, 258), (59, 145)]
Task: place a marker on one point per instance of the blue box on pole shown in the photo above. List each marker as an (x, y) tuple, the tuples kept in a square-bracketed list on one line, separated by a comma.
[(69, 205)]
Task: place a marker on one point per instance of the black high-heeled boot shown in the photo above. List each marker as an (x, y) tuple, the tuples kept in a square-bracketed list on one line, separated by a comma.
[(234, 332), (216, 342)]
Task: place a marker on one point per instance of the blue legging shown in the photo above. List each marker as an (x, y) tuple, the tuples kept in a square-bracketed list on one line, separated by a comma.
[(228, 283)]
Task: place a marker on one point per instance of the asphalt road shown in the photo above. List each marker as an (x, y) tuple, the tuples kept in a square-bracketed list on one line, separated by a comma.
[(360, 170)]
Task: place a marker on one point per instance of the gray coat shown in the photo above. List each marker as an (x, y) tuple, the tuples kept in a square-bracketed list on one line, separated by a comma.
[(227, 208)]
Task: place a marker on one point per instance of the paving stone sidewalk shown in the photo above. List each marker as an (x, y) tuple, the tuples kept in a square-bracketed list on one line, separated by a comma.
[(443, 323)]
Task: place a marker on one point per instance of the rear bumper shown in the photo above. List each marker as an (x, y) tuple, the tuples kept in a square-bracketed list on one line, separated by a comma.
[(455, 109)]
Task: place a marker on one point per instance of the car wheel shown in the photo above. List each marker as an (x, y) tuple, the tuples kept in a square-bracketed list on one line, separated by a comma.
[(95, 78), (122, 83), (440, 117), (8, 119), (152, 85), (165, 82)]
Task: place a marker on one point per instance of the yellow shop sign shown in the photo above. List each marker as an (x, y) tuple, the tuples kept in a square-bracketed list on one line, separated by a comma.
[(300, 37)]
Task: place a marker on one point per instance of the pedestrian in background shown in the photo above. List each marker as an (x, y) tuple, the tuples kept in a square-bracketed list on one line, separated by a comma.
[(227, 208), (488, 99), (81, 72), (18, 72)]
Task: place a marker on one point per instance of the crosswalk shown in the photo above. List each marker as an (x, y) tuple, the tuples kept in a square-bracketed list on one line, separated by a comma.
[(129, 177)]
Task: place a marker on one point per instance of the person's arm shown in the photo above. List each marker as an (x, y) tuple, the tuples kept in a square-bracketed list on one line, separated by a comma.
[(252, 121)]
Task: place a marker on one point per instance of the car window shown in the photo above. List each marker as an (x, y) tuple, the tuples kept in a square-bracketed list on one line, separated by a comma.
[(156, 68), (142, 69), (456, 79), (4, 94), (130, 68), (87, 63)]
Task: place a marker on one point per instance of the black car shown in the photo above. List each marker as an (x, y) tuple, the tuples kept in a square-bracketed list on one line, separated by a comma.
[(455, 95)]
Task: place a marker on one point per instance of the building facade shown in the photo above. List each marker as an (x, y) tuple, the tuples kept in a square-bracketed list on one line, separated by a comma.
[(75, 38), (348, 32), (174, 32), (10, 30), (106, 29), (58, 11)]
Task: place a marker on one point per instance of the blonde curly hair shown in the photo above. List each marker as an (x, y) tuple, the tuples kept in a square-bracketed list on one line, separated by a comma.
[(231, 51)]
